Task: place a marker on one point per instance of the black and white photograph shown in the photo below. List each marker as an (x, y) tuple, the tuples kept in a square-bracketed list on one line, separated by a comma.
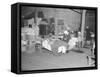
[(54, 38)]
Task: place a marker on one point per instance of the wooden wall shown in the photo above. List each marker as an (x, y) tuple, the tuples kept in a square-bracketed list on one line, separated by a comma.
[(70, 18)]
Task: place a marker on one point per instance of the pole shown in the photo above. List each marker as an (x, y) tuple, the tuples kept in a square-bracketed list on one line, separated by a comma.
[(83, 26)]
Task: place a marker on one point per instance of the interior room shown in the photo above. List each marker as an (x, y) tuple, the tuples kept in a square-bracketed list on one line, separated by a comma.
[(53, 38)]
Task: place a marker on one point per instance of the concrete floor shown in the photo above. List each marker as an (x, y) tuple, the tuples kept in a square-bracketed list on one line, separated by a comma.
[(45, 60)]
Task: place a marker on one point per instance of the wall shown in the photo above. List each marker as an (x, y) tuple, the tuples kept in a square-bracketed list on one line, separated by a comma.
[(71, 19)]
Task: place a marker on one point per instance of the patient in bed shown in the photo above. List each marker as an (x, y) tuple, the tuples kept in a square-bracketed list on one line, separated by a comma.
[(55, 45)]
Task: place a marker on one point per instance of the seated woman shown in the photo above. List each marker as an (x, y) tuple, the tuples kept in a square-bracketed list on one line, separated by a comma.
[(66, 36)]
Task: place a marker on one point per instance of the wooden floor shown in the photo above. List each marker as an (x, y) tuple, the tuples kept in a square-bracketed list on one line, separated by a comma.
[(45, 60)]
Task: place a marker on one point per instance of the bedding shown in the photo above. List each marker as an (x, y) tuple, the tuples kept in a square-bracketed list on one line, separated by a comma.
[(59, 46), (54, 45)]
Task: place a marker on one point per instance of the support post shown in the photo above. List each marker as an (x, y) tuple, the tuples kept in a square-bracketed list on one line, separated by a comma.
[(83, 26)]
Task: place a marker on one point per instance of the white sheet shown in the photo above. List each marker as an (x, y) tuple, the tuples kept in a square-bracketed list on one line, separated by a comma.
[(46, 44)]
